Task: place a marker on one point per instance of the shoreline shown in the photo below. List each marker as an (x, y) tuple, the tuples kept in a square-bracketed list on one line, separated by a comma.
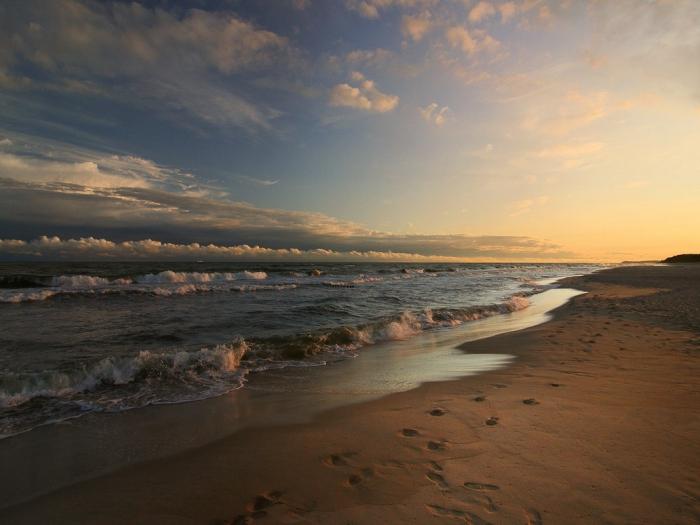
[(595, 447), (271, 398)]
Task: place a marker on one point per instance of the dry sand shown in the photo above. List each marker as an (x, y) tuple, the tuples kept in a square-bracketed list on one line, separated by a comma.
[(597, 421)]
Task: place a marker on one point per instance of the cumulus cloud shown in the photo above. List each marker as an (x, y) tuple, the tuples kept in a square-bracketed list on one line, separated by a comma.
[(93, 248), (89, 248), (471, 42), (481, 11), (174, 58), (415, 27), (507, 11), (435, 114), (364, 95)]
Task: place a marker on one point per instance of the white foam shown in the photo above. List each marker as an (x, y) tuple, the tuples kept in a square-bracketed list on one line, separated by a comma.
[(26, 296), (207, 363), (85, 281)]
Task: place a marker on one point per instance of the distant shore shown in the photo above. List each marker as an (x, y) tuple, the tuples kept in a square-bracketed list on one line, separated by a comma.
[(597, 421)]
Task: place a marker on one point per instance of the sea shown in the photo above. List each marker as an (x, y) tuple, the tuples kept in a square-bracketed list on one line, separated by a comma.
[(82, 338)]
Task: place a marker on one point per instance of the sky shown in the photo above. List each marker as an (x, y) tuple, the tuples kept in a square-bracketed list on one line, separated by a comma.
[(476, 130)]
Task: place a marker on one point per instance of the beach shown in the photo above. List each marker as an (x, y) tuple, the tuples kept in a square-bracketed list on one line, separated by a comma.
[(596, 420)]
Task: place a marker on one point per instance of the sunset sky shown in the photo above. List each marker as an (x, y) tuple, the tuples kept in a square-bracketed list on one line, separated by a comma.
[(478, 130)]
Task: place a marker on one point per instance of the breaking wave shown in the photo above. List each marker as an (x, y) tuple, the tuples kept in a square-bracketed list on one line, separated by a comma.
[(166, 283), (114, 384), (135, 381)]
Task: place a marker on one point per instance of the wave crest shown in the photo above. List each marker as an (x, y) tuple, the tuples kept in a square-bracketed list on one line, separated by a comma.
[(218, 363)]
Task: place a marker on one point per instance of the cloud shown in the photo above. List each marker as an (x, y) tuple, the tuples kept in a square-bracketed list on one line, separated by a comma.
[(482, 153), (416, 26), (370, 57), (435, 114), (571, 151), (45, 164), (371, 8), (527, 205), (301, 4), (574, 110), (90, 248), (258, 182), (169, 60), (382, 60), (365, 96), (57, 190), (471, 42), (481, 11), (148, 249), (507, 11)]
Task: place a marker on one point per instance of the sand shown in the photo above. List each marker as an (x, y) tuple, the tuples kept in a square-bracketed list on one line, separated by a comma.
[(597, 421)]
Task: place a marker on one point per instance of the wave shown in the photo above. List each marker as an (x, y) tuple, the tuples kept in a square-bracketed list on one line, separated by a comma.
[(21, 297), (206, 366), (217, 363), (123, 383), (166, 283), (348, 339), (170, 276)]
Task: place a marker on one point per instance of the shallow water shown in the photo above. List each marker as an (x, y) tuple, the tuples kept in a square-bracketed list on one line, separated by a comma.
[(109, 337)]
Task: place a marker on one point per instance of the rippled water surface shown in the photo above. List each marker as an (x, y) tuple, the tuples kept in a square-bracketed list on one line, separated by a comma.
[(78, 338)]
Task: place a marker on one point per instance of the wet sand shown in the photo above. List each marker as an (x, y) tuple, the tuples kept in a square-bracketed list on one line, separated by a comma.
[(597, 421)]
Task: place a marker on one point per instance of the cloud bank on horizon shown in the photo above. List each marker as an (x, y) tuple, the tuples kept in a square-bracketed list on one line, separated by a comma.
[(357, 129)]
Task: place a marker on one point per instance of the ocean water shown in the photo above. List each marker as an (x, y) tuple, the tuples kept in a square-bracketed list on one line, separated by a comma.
[(106, 337)]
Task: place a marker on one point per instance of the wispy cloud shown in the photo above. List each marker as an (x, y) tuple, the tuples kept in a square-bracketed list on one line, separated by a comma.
[(83, 193), (257, 182), (527, 205), (120, 50)]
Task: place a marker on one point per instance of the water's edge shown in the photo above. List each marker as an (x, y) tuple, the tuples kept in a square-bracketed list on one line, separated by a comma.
[(100, 443)]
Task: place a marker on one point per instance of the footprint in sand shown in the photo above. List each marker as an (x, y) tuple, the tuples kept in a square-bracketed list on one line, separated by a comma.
[(533, 517), (435, 465), (409, 432), (436, 445), (339, 459), (356, 479), (437, 479), (256, 508), (480, 486), (469, 517), (264, 501)]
